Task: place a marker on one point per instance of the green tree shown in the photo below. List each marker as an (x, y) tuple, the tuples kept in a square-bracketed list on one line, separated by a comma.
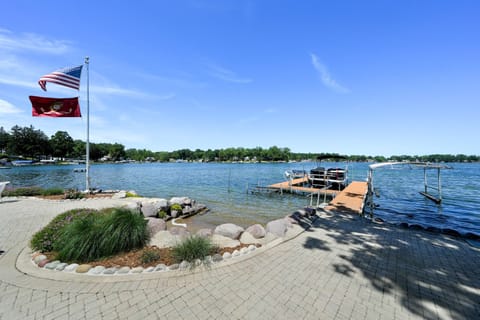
[(62, 144), (29, 142), (4, 140)]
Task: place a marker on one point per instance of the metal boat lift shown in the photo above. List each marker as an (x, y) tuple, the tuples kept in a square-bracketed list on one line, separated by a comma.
[(415, 164)]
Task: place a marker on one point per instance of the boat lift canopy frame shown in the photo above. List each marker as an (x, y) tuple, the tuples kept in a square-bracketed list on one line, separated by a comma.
[(425, 165)]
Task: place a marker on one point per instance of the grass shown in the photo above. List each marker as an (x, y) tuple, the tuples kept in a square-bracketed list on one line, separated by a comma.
[(99, 236), (82, 235), (194, 248)]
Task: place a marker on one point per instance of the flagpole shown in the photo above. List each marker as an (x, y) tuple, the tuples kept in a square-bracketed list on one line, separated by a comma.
[(87, 162)]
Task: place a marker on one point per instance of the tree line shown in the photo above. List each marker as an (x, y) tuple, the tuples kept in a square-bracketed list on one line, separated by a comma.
[(28, 142)]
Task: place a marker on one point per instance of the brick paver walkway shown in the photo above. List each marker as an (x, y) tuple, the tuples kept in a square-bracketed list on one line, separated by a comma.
[(341, 268)]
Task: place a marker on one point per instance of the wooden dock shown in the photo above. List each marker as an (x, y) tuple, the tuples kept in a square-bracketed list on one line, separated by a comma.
[(351, 199), (296, 186)]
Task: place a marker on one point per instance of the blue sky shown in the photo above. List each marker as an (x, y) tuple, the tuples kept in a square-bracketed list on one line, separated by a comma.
[(352, 77)]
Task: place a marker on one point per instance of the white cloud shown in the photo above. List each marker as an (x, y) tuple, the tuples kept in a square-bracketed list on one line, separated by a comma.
[(31, 42), (226, 75), (8, 108), (325, 76)]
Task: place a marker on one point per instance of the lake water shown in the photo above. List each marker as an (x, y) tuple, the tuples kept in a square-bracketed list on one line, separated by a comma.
[(222, 187)]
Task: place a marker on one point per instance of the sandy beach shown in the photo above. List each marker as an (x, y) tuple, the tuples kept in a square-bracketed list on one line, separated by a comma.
[(343, 267)]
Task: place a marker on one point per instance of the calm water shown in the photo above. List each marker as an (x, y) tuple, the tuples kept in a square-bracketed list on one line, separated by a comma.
[(222, 187)]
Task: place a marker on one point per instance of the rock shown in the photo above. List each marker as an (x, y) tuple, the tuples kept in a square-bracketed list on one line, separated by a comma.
[(229, 230), (184, 265), (257, 231), (174, 214), (39, 258), (204, 233), (134, 206), (110, 270), (252, 247), (269, 237), (244, 250), (226, 255), (137, 270), (61, 266), (83, 268), (164, 239), (277, 227), (97, 270), (71, 267), (224, 242), (149, 269), (155, 225), (52, 265), (235, 253), (247, 238), (120, 195), (43, 263), (151, 207), (173, 266), (123, 270), (179, 231), (180, 200), (161, 267), (217, 257)]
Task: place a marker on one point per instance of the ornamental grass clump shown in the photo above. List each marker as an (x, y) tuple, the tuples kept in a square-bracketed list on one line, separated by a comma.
[(99, 236), (193, 248), (45, 239)]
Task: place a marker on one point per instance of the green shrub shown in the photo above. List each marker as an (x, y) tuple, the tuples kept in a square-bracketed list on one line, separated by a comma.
[(52, 192), (162, 214), (44, 239), (149, 255), (132, 195), (176, 207), (100, 236), (193, 248)]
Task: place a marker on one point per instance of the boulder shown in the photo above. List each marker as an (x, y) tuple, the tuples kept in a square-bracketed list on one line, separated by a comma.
[(224, 242), (277, 227), (180, 200), (257, 231), (205, 233), (247, 238), (134, 206), (120, 195), (83, 268), (155, 225), (164, 239), (179, 231), (229, 230), (151, 207)]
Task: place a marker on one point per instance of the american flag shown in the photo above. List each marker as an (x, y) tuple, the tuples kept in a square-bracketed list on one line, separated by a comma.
[(68, 77)]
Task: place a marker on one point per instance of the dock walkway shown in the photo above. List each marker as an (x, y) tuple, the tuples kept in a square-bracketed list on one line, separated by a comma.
[(296, 186)]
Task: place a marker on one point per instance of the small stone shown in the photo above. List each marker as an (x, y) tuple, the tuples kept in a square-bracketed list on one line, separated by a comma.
[(83, 268), (97, 270), (61, 266), (161, 267), (137, 270), (52, 265), (42, 263), (184, 265), (71, 267), (110, 270), (226, 255), (39, 258), (235, 253), (123, 270), (252, 247), (217, 257), (244, 250), (149, 269), (173, 266)]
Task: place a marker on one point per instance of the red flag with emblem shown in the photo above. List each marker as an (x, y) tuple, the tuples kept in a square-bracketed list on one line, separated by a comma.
[(55, 107)]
